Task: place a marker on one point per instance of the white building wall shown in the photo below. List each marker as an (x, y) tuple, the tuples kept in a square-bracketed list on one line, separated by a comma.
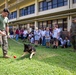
[(69, 21), (36, 24), (51, 11), (36, 7)]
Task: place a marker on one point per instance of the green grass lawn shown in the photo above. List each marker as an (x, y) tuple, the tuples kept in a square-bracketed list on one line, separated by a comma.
[(47, 61)]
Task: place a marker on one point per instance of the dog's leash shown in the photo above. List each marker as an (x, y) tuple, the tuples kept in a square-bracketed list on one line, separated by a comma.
[(16, 41)]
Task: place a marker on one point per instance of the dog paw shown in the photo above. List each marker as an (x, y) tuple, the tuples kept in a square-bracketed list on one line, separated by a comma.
[(22, 56)]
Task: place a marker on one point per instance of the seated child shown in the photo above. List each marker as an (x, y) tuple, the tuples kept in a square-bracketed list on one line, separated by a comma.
[(66, 43)]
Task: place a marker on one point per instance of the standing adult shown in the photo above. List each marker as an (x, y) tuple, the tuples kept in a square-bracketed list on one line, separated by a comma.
[(4, 29), (73, 33)]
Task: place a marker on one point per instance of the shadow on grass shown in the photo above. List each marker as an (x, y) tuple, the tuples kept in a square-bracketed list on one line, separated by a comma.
[(21, 58), (1, 56)]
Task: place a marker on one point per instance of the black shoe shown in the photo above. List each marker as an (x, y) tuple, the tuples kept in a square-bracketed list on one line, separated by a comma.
[(54, 46), (36, 45)]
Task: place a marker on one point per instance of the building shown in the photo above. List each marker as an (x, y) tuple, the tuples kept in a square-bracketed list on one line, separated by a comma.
[(40, 13)]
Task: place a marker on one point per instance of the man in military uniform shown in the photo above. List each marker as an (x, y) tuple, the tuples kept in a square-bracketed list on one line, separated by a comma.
[(3, 30), (73, 33)]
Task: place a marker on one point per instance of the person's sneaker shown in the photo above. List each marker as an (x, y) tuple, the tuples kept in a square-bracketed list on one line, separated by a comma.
[(6, 56)]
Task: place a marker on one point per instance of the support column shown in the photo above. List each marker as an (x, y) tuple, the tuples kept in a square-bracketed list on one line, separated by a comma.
[(69, 21), (17, 8), (17, 13), (28, 26), (17, 26), (70, 4), (36, 24), (36, 7), (6, 4)]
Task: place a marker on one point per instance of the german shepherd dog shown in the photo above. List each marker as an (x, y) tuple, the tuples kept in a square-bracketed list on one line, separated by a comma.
[(29, 49)]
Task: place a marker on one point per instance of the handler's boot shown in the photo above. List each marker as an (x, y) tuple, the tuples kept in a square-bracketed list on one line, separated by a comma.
[(6, 56)]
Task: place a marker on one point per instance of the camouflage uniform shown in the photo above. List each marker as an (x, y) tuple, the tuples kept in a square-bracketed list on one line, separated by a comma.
[(4, 42), (73, 35), (4, 45)]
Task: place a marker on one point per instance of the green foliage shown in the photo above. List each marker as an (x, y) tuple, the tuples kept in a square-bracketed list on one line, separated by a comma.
[(47, 61)]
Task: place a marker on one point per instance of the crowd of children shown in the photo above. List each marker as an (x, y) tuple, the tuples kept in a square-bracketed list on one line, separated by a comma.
[(45, 37)]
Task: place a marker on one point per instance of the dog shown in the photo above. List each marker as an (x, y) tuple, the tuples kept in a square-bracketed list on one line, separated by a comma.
[(29, 49)]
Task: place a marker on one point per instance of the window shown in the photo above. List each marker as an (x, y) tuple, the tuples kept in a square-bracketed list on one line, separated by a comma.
[(49, 23), (49, 5), (40, 25), (54, 22), (32, 25), (74, 1), (27, 10), (40, 6), (54, 2), (60, 3), (22, 12), (44, 24), (46, 5), (32, 9), (62, 23), (43, 6), (65, 2), (13, 15)]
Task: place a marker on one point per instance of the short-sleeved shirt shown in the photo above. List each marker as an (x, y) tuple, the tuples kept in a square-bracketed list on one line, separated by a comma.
[(47, 35), (36, 35), (55, 33), (2, 23)]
